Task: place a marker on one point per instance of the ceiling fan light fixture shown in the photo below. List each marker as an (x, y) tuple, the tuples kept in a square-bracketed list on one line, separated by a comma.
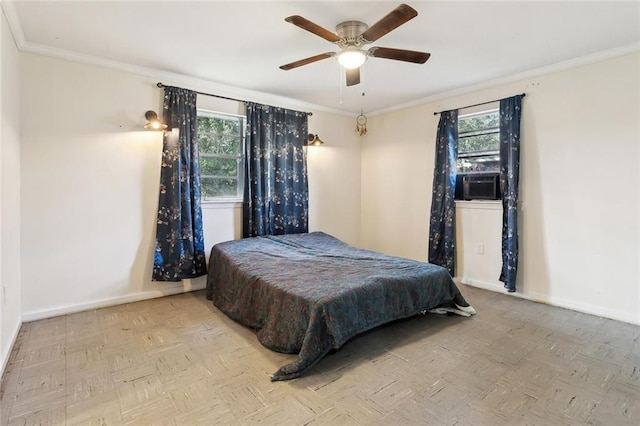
[(351, 58)]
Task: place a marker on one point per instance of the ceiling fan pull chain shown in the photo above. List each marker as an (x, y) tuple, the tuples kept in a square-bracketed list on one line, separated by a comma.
[(341, 73)]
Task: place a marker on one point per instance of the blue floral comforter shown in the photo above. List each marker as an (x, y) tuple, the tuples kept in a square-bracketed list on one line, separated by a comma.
[(310, 293)]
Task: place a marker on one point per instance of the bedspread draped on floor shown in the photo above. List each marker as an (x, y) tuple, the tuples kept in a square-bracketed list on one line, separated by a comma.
[(310, 293)]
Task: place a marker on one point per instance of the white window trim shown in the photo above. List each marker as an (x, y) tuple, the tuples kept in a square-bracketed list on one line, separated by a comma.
[(479, 204)]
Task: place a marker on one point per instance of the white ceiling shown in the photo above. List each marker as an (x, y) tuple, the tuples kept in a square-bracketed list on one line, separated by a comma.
[(242, 44)]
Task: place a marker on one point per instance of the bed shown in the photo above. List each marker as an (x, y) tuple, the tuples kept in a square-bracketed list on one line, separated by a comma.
[(311, 293)]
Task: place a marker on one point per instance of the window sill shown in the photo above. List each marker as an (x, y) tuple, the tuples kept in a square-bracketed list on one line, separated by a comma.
[(479, 204), (221, 204)]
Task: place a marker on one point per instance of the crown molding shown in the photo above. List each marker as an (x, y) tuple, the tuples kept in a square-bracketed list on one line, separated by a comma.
[(167, 77), (534, 73), (175, 79), (14, 23)]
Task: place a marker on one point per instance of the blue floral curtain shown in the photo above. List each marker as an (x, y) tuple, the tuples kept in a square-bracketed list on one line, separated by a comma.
[(179, 251), (276, 195), (442, 222), (510, 112)]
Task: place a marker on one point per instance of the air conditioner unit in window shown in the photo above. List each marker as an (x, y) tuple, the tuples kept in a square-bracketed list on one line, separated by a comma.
[(480, 186)]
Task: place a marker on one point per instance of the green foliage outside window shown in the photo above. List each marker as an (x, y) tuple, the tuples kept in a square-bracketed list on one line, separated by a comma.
[(479, 142), (220, 145), (475, 122)]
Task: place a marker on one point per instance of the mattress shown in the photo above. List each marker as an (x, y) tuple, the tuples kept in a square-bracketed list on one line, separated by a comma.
[(311, 293)]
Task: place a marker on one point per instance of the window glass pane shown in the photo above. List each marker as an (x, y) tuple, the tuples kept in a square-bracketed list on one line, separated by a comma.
[(214, 166), (231, 127), (222, 126), (483, 163), (218, 144), (218, 187), (227, 145), (220, 140), (218, 125), (217, 136), (479, 143), (205, 142), (474, 122)]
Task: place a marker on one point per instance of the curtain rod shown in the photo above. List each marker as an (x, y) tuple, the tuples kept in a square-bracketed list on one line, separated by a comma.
[(481, 103), (160, 85)]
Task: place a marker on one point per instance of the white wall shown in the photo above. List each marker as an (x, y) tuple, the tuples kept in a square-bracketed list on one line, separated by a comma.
[(334, 177), (478, 243), (397, 171), (90, 186), (10, 318), (579, 174)]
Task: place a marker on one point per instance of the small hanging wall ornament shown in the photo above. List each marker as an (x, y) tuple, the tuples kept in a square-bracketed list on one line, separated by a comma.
[(361, 124)]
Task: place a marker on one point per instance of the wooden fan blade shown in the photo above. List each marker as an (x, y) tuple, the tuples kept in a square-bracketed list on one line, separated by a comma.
[(393, 20), (316, 29), (353, 76), (399, 54), (306, 61)]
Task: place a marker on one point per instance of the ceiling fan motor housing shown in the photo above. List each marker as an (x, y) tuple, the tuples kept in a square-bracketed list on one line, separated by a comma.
[(350, 33)]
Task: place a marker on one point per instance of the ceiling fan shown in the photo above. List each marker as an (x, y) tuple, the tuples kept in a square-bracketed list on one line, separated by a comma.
[(353, 35)]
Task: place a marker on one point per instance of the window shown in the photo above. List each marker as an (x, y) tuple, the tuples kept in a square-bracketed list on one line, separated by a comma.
[(220, 144), (479, 142)]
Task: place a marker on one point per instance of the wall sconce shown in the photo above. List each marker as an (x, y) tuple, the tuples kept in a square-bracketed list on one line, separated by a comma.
[(153, 122), (314, 140)]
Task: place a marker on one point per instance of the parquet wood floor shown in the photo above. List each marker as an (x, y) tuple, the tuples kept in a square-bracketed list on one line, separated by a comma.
[(179, 361)]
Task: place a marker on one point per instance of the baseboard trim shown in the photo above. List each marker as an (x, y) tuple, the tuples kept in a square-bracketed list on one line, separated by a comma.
[(497, 287), (103, 303), (7, 354), (556, 301)]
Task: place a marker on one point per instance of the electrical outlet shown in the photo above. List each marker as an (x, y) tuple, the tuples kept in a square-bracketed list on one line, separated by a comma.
[(479, 248)]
